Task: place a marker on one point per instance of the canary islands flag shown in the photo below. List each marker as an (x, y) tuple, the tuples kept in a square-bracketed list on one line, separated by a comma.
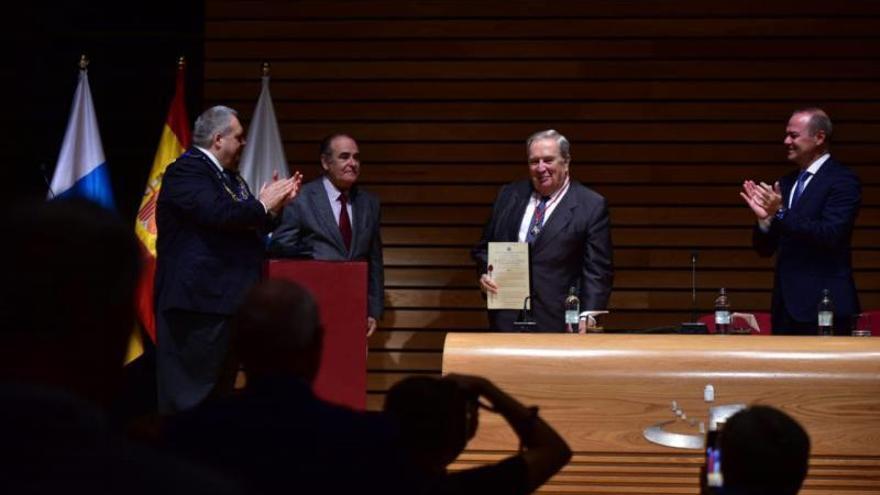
[(81, 170)]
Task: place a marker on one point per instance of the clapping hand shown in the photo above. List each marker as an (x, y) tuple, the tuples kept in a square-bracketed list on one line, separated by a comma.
[(763, 199), (276, 194)]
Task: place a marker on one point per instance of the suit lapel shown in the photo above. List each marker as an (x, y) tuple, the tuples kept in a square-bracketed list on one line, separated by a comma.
[(561, 216), (815, 183), (202, 157), (230, 184), (324, 213), (359, 210)]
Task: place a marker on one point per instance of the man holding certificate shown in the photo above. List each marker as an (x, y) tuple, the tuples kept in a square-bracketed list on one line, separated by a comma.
[(564, 229)]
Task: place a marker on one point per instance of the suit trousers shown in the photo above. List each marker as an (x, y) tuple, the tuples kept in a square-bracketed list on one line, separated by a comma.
[(193, 360), (784, 324)]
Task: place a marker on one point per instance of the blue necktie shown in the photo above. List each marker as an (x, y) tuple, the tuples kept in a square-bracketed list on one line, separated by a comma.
[(799, 187), (537, 220)]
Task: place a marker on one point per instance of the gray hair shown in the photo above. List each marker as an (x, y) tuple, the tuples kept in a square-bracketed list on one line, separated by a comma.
[(819, 121), (326, 145), (213, 121), (562, 141)]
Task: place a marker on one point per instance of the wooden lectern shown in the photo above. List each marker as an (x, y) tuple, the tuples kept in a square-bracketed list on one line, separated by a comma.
[(601, 392), (340, 288)]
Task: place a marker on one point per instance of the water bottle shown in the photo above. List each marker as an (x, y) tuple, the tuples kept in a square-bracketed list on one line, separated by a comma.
[(722, 312), (572, 310), (826, 314)]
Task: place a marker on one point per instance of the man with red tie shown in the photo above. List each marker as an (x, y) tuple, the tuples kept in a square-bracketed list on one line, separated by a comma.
[(335, 220)]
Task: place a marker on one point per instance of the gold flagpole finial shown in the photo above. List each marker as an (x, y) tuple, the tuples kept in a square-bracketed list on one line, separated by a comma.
[(181, 62), (266, 69), (83, 62)]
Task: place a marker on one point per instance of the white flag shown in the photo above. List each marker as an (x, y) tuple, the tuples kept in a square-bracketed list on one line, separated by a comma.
[(263, 154), (81, 170)]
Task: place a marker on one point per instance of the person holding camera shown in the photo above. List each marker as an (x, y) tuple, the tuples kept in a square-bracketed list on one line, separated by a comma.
[(438, 416), (764, 451)]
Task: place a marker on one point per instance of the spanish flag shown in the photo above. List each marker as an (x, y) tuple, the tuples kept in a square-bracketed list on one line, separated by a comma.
[(174, 141)]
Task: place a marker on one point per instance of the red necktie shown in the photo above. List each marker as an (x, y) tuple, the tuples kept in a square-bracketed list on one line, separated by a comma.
[(344, 221), (537, 220)]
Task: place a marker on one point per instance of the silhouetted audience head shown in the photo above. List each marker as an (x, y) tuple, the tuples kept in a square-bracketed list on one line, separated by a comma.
[(68, 296), (277, 331), (277, 436), (437, 418), (763, 452)]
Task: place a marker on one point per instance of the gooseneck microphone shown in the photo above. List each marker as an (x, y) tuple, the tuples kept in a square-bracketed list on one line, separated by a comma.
[(694, 285), (525, 323), (693, 326)]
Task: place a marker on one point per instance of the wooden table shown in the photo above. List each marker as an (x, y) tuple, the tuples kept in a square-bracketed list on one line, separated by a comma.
[(601, 391)]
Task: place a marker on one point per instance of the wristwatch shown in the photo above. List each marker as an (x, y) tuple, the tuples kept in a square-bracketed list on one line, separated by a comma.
[(780, 213)]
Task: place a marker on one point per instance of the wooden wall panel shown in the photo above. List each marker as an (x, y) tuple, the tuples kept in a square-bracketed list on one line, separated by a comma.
[(669, 106)]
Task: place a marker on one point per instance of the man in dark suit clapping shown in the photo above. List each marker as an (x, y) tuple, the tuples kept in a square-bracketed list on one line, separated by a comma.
[(210, 250), (567, 227), (807, 220)]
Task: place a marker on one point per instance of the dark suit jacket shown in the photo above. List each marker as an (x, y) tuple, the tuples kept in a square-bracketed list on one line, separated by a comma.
[(309, 230), (57, 443), (573, 249), (812, 243), (209, 246)]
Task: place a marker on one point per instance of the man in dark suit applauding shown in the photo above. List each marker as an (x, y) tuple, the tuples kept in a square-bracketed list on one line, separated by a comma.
[(335, 220), (567, 227), (210, 250), (807, 219)]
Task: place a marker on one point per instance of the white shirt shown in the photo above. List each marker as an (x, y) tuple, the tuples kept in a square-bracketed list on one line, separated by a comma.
[(552, 203), (812, 169), (211, 157), (333, 195)]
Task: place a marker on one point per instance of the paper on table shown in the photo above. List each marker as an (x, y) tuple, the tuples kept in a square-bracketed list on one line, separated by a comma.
[(592, 321), (509, 268)]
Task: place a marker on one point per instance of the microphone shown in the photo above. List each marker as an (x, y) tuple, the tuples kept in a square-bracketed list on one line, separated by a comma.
[(694, 255), (525, 323), (46, 179), (693, 326)]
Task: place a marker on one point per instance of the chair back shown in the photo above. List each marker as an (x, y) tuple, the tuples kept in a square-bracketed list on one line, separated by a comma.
[(739, 320)]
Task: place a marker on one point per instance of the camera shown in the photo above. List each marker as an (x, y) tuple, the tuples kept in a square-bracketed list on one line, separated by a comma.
[(712, 480)]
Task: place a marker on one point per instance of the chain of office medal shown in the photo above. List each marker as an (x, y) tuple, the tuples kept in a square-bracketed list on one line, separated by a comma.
[(244, 192)]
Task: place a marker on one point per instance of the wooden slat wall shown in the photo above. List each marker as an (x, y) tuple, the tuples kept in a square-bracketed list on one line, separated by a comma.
[(669, 106)]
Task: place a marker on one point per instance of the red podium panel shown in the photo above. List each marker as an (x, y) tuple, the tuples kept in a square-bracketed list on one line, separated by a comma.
[(340, 287)]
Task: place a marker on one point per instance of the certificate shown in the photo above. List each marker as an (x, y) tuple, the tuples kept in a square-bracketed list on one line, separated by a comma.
[(509, 268)]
